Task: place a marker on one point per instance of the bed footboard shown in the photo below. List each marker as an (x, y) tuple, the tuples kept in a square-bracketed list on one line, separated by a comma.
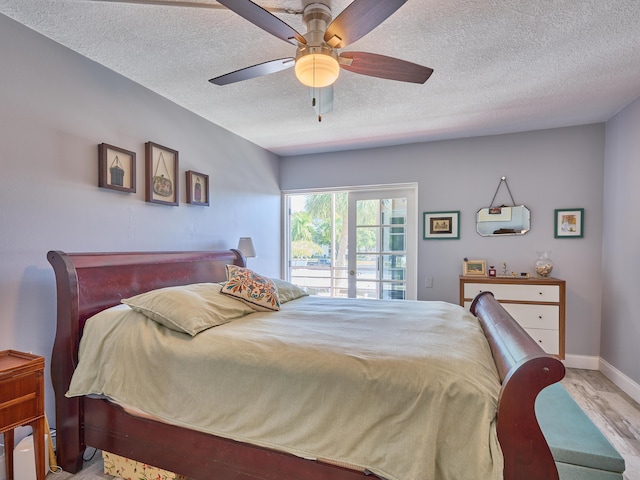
[(525, 369)]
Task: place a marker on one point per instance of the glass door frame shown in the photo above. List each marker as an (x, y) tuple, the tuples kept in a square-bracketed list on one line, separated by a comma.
[(410, 193), (412, 224)]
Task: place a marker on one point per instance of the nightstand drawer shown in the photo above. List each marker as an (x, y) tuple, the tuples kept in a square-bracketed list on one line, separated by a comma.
[(17, 386), (535, 316), (18, 399), (516, 292), (19, 411)]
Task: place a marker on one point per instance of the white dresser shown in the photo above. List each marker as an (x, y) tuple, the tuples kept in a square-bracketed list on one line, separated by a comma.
[(537, 304)]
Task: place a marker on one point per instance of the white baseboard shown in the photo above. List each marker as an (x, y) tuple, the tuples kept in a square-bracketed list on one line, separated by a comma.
[(625, 383), (582, 361)]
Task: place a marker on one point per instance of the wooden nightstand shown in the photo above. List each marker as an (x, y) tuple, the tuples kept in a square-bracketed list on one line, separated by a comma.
[(22, 403)]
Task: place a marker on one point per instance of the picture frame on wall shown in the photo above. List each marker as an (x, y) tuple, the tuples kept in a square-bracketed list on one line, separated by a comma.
[(476, 268), (116, 168), (441, 225), (161, 174), (197, 188), (569, 223)]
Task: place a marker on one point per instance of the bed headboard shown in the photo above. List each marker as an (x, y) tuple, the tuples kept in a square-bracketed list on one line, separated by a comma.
[(79, 276), (87, 283)]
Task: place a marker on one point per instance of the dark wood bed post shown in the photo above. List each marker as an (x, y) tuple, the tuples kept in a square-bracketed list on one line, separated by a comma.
[(525, 369), (63, 362)]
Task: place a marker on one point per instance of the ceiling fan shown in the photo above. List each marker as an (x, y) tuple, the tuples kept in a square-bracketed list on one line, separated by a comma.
[(317, 62)]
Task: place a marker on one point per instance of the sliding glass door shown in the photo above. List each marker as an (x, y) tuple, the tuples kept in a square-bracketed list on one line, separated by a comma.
[(382, 244), (352, 243)]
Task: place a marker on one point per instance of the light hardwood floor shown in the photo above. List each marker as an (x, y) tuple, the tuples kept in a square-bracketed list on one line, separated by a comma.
[(614, 412)]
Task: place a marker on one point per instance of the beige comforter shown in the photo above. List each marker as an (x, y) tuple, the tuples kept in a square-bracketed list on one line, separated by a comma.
[(405, 389)]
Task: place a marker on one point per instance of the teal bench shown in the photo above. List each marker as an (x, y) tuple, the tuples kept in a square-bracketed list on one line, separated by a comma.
[(580, 450)]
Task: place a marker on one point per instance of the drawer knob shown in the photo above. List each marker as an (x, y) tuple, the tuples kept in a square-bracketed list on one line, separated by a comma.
[(540, 317)]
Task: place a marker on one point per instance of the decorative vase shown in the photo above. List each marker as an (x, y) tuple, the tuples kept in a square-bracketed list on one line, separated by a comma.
[(543, 264)]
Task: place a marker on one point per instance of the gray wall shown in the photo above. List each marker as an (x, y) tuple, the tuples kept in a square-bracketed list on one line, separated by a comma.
[(621, 245), (549, 169), (55, 108)]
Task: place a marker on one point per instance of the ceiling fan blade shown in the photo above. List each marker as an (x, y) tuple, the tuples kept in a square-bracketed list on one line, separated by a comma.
[(321, 100), (358, 19), (381, 66), (254, 71), (264, 19)]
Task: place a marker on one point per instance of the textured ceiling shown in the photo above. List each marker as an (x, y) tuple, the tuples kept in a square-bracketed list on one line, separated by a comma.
[(500, 65)]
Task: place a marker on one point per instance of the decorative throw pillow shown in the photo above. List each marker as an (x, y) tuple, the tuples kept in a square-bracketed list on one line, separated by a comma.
[(288, 291), (188, 308), (253, 289)]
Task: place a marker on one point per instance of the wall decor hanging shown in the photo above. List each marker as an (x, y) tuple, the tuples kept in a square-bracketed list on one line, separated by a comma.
[(569, 223), (441, 225), (161, 174), (116, 168), (197, 188), (503, 220)]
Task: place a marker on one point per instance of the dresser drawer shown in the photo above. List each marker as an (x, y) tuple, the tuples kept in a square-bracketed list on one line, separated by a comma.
[(534, 316), (522, 292), (549, 340)]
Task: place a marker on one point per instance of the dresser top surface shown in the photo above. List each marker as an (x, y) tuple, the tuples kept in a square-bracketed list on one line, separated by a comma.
[(511, 279)]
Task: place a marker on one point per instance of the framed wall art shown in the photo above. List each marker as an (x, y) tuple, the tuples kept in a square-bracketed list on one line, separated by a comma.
[(197, 188), (116, 168), (569, 223), (441, 225), (474, 268), (161, 175)]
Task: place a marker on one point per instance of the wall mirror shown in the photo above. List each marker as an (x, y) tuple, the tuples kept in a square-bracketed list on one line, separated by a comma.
[(500, 221)]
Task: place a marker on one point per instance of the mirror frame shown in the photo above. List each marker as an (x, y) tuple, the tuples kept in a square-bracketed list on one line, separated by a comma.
[(503, 223)]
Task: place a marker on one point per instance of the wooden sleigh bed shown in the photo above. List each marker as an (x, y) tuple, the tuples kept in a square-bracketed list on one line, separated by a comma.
[(88, 283)]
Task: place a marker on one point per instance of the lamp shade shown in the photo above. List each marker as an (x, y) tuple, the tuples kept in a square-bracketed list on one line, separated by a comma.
[(245, 246)]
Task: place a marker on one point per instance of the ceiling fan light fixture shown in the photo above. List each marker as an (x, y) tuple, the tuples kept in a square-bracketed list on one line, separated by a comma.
[(317, 70)]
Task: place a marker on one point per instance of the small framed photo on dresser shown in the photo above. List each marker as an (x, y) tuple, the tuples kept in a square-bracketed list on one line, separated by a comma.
[(116, 168), (477, 268)]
